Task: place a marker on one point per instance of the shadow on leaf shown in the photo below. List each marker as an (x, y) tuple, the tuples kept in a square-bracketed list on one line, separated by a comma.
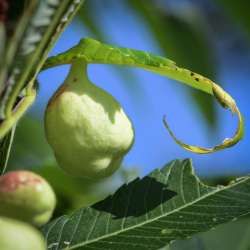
[(136, 199)]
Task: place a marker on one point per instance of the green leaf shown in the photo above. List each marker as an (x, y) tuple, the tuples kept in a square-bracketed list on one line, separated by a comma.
[(149, 213), (5, 146), (238, 11), (40, 25)]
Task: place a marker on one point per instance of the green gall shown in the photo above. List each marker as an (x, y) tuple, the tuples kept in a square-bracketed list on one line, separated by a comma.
[(17, 235), (26, 196), (86, 127)]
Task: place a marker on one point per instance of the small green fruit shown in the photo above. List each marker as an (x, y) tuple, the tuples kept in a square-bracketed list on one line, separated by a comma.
[(26, 196), (17, 235), (86, 127)]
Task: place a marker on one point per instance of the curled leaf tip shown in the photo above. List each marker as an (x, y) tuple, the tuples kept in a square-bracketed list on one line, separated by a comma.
[(227, 142)]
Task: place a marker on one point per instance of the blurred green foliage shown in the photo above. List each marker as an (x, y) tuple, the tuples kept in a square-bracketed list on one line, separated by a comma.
[(30, 147), (238, 11)]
